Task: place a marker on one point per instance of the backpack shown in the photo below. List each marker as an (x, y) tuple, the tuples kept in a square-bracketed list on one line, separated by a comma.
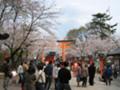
[(48, 70), (109, 72)]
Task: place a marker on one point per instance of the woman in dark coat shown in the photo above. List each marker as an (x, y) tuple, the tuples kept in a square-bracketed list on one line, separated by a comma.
[(91, 71), (29, 77)]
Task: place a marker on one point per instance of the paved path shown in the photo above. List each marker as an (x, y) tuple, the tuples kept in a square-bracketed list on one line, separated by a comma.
[(98, 85)]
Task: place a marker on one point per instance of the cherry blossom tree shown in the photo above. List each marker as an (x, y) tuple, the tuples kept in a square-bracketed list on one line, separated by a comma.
[(23, 20)]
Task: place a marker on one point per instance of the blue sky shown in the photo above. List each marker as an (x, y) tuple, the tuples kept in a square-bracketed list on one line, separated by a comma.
[(76, 13)]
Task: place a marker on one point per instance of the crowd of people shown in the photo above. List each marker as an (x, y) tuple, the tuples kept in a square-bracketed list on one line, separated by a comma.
[(41, 76), (85, 71)]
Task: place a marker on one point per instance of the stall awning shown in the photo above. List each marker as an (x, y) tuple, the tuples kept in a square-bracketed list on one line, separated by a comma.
[(114, 52)]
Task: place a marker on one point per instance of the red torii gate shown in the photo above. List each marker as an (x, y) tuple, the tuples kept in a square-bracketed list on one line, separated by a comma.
[(64, 44)]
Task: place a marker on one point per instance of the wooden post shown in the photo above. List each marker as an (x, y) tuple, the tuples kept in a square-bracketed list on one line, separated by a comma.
[(63, 53)]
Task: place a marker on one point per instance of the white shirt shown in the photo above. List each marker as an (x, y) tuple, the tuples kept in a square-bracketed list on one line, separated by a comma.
[(55, 71), (20, 69)]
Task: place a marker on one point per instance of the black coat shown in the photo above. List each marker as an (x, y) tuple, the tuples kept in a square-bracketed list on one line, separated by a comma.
[(91, 71), (64, 75)]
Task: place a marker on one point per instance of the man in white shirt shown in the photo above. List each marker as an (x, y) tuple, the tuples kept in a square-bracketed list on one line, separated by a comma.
[(20, 72), (56, 69)]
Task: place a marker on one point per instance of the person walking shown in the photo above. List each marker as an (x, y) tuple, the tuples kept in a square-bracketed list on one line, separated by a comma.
[(64, 77), (40, 78), (79, 74), (48, 75), (84, 75), (91, 71), (115, 74), (29, 78), (7, 73), (108, 75), (56, 69), (20, 72)]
